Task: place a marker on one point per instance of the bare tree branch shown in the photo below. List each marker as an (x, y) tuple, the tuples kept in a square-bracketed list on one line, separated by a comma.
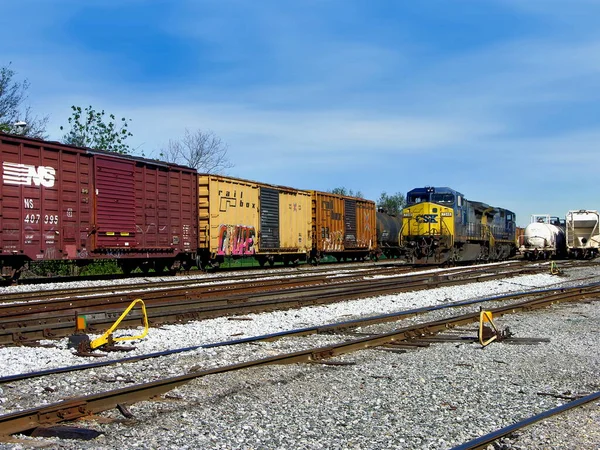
[(13, 94), (204, 151)]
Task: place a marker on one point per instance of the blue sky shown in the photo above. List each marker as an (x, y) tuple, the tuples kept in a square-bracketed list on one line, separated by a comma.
[(497, 99)]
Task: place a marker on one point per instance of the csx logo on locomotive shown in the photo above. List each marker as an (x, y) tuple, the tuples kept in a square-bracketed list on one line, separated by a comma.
[(426, 218)]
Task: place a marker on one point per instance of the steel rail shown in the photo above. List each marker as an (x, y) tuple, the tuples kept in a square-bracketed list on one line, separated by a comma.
[(30, 301), (48, 324), (74, 408), (115, 294), (230, 273), (16, 298), (484, 441), (347, 324)]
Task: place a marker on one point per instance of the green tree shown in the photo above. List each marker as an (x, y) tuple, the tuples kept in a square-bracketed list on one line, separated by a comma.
[(15, 116), (89, 129), (392, 204), (347, 192), (204, 151)]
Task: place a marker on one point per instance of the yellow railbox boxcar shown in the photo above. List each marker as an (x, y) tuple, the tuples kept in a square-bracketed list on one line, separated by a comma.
[(240, 218)]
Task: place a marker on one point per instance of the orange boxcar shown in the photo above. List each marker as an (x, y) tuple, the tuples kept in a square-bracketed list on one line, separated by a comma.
[(343, 227)]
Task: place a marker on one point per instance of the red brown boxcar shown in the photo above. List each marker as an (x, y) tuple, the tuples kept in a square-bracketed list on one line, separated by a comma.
[(60, 202)]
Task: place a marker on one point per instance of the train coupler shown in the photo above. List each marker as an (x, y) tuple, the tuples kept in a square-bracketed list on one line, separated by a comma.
[(85, 346)]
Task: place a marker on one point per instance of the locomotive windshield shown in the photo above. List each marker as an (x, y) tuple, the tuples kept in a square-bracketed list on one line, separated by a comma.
[(417, 198), (443, 199)]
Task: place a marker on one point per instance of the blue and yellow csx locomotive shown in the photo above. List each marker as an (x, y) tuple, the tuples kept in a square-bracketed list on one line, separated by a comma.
[(440, 225)]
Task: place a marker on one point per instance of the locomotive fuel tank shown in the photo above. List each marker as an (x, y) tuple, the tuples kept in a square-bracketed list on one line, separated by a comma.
[(543, 238)]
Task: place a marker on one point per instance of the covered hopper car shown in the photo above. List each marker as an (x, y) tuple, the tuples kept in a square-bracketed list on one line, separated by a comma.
[(583, 233)]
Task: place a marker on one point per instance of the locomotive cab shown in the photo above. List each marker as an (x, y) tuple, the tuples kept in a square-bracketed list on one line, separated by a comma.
[(428, 223)]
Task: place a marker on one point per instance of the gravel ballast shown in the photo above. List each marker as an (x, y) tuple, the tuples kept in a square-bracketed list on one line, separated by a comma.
[(431, 398)]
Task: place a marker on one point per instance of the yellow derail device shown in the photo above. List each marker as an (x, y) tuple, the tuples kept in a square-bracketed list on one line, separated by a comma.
[(85, 345)]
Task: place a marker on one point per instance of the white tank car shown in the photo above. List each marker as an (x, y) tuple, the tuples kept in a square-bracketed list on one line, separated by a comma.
[(583, 233), (543, 238)]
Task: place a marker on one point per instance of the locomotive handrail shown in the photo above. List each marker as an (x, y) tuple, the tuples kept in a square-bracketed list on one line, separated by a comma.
[(444, 225)]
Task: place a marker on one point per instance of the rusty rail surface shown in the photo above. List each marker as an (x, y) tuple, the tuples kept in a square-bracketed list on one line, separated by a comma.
[(74, 408), (333, 327), (179, 283), (484, 441), (34, 321)]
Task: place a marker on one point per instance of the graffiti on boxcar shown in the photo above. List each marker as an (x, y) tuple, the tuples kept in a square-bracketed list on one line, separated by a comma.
[(334, 241), (367, 221), (151, 229), (115, 254), (49, 253), (236, 240), (295, 207)]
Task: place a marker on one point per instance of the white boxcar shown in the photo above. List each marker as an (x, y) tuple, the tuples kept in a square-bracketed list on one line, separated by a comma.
[(583, 233), (543, 238)]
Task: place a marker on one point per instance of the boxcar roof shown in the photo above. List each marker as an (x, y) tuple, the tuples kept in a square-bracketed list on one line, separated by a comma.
[(15, 138)]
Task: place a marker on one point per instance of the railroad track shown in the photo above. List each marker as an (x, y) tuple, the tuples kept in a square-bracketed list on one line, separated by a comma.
[(29, 321), (223, 278), (320, 329), (488, 439), (22, 421)]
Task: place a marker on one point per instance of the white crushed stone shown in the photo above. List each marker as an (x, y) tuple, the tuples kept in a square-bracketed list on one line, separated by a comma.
[(433, 398), (27, 359)]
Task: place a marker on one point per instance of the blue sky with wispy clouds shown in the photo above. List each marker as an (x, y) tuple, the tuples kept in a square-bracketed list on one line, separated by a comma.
[(497, 99)]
